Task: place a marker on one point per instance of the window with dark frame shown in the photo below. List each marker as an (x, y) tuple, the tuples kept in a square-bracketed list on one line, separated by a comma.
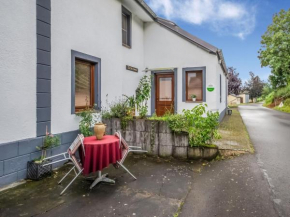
[(220, 88), (126, 28), (194, 85), (84, 84)]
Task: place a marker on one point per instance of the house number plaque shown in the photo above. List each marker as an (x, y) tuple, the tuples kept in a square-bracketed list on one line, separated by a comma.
[(131, 68)]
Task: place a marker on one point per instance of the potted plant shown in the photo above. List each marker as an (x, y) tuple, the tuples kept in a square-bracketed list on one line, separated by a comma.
[(35, 168), (193, 97)]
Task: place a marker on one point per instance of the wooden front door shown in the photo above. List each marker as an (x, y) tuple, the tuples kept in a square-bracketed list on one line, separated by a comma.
[(164, 95)]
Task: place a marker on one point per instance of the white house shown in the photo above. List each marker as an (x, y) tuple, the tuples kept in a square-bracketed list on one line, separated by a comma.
[(55, 54)]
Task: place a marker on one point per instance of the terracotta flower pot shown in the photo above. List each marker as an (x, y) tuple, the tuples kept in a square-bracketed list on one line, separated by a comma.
[(99, 130)]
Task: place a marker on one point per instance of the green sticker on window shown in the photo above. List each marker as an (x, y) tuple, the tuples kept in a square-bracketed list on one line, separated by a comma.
[(210, 88)]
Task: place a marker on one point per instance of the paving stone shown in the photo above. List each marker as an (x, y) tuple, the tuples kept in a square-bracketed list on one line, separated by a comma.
[(16, 164), (165, 150), (180, 152), (1, 168), (164, 127), (140, 125), (8, 179), (29, 145), (165, 139), (8, 150), (181, 139)]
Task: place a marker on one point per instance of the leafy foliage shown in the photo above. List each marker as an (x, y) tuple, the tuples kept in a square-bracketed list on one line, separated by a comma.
[(143, 93), (254, 86), (202, 130), (234, 82), (87, 120), (143, 110), (199, 124), (275, 51), (50, 141)]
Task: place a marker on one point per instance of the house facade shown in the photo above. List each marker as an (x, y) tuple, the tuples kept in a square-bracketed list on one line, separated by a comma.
[(58, 56)]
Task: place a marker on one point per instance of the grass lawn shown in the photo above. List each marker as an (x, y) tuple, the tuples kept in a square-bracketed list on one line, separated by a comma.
[(234, 134), (283, 109)]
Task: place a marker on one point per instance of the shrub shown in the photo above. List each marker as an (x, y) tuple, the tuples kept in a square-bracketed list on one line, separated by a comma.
[(269, 98), (199, 124), (287, 102), (283, 92), (202, 129), (119, 109)]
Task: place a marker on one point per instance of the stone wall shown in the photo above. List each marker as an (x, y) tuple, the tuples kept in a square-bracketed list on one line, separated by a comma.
[(158, 139)]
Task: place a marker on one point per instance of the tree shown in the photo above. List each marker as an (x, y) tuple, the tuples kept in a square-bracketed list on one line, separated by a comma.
[(254, 86), (275, 49), (234, 82)]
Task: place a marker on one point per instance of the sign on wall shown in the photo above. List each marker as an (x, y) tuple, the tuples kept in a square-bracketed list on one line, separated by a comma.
[(131, 68), (210, 88)]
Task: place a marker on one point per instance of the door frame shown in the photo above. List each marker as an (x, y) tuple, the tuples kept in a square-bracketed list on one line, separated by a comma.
[(153, 88)]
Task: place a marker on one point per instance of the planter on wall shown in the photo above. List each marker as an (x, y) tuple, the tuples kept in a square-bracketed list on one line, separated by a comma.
[(36, 171), (158, 139), (206, 153)]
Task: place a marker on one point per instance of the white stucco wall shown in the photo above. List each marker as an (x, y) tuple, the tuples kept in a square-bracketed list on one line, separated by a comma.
[(165, 49), (93, 28), (17, 70)]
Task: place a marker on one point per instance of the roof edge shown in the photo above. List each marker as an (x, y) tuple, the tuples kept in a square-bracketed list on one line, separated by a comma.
[(223, 63), (183, 36), (147, 9)]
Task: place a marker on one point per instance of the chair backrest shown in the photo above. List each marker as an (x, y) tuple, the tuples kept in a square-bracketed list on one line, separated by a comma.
[(122, 142), (76, 144), (73, 148)]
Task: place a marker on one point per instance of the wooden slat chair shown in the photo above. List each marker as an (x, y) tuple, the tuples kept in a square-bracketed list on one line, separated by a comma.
[(70, 155), (126, 149)]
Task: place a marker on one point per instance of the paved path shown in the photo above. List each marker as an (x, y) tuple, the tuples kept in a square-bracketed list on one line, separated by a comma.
[(270, 133)]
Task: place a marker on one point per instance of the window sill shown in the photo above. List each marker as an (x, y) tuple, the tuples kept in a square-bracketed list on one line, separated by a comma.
[(127, 46), (193, 101)]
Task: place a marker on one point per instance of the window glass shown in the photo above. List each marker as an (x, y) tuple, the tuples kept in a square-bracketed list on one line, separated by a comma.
[(125, 29), (83, 84), (165, 89), (194, 85)]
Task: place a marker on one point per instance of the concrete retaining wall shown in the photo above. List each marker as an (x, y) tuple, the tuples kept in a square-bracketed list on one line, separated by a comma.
[(15, 155), (157, 138)]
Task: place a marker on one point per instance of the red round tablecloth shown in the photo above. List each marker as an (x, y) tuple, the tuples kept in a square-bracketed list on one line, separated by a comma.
[(100, 153)]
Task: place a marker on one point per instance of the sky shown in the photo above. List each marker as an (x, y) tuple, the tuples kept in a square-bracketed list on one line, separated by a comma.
[(234, 26)]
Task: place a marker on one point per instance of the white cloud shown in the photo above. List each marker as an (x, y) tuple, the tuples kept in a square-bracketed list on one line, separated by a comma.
[(222, 16)]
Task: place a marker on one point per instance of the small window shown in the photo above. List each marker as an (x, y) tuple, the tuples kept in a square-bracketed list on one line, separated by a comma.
[(84, 85), (126, 27), (194, 85), (220, 88)]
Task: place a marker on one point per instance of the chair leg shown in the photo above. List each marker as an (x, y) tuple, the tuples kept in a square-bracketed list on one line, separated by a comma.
[(126, 170), (66, 174), (71, 182)]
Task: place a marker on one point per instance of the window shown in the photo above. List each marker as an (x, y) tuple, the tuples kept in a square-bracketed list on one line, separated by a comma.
[(220, 88), (84, 84), (85, 81), (126, 27), (194, 85)]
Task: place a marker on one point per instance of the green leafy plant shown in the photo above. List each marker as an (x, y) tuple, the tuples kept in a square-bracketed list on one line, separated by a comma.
[(202, 125), (87, 120), (50, 141), (143, 93), (143, 110), (193, 96)]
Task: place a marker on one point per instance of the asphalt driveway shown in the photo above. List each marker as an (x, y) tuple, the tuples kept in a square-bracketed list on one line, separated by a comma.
[(269, 131)]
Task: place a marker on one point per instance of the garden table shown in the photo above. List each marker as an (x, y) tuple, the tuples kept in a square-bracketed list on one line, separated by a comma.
[(99, 154)]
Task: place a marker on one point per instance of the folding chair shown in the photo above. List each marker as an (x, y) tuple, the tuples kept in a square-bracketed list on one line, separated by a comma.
[(70, 155), (126, 149)]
